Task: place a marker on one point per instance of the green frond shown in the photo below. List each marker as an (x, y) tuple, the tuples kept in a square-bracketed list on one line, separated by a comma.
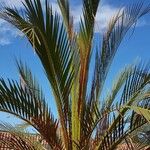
[(54, 48), (65, 10), (88, 21), (141, 111), (134, 92), (114, 35), (136, 119), (67, 18), (28, 81), (91, 116), (16, 100), (86, 31), (117, 85), (84, 42)]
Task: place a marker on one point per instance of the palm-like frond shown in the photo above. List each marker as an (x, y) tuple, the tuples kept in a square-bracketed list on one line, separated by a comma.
[(23, 102), (115, 33), (67, 18), (141, 111), (84, 43), (134, 92), (48, 36), (28, 81), (85, 40)]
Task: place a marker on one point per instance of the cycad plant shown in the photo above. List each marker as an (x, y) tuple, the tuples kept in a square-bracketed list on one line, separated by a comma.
[(86, 118)]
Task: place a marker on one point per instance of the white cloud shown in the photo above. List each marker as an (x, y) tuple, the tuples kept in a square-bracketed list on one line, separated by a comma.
[(4, 41), (103, 16), (76, 13), (142, 23), (7, 33)]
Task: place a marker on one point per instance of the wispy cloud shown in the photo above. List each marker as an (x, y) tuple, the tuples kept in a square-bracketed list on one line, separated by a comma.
[(142, 23), (103, 16), (7, 33)]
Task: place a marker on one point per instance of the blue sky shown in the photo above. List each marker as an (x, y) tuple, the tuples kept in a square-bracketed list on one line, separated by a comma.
[(13, 45)]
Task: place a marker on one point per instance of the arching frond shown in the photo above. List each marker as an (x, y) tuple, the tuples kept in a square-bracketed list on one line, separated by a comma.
[(28, 81), (23, 103), (134, 93), (51, 43), (84, 42), (67, 18), (113, 36), (141, 111), (117, 86)]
